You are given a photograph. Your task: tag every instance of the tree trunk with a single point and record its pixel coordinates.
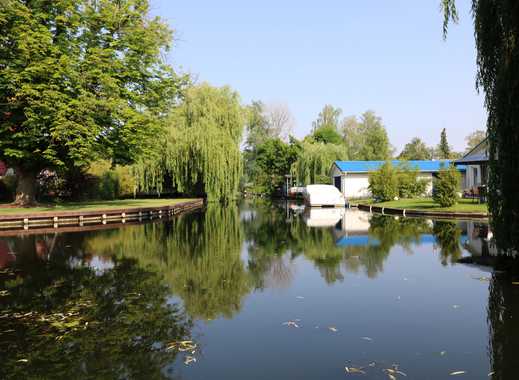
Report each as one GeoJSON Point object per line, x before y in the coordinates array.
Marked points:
{"type": "Point", "coordinates": [25, 188]}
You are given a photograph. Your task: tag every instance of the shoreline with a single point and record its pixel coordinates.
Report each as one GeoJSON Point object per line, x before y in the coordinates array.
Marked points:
{"type": "Point", "coordinates": [44, 219]}
{"type": "Point", "coordinates": [414, 212]}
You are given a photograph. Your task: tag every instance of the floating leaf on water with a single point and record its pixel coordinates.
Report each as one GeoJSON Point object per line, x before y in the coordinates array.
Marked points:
{"type": "Point", "coordinates": [480, 278]}
{"type": "Point", "coordinates": [455, 373]}
{"type": "Point", "coordinates": [354, 370]}
{"type": "Point", "coordinates": [189, 359]}
{"type": "Point", "coordinates": [333, 329]}
{"type": "Point", "coordinates": [367, 338]}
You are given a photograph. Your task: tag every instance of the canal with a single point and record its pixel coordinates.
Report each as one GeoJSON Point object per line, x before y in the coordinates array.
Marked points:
{"type": "Point", "coordinates": [259, 291]}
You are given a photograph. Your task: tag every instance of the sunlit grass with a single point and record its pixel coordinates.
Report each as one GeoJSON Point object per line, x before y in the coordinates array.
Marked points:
{"type": "Point", "coordinates": [92, 205]}
{"type": "Point", "coordinates": [427, 204]}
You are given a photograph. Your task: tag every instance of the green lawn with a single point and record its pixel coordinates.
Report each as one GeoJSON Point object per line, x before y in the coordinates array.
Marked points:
{"type": "Point", "coordinates": [93, 205]}
{"type": "Point", "coordinates": [464, 205]}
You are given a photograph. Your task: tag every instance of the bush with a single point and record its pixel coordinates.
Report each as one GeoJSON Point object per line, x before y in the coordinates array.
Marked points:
{"type": "Point", "coordinates": [446, 187]}
{"type": "Point", "coordinates": [110, 183]}
{"type": "Point", "coordinates": [383, 183]}
{"type": "Point", "coordinates": [409, 185]}
{"type": "Point", "coordinates": [7, 188]}
{"type": "Point", "coordinates": [387, 183]}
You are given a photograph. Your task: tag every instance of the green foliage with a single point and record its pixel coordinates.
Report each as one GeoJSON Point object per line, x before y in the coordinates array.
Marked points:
{"type": "Point", "coordinates": [446, 187]}
{"type": "Point", "coordinates": [110, 183]}
{"type": "Point", "coordinates": [409, 184]}
{"type": "Point", "coordinates": [366, 139]}
{"type": "Point", "coordinates": [388, 182]}
{"type": "Point", "coordinates": [444, 150]}
{"type": "Point", "coordinates": [383, 183]}
{"type": "Point", "coordinates": [65, 318]}
{"type": "Point", "coordinates": [327, 135]}
{"type": "Point", "coordinates": [197, 254]}
{"type": "Point", "coordinates": [7, 188]}
{"type": "Point", "coordinates": [416, 150]}
{"type": "Point", "coordinates": [447, 235]}
{"type": "Point", "coordinates": [496, 32]}
{"type": "Point", "coordinates": [200, 153]}
{"type": "Point", "coordinates": [81, 81]}
{"type": "Point", "coordinates": [328, 118]}
{"type": "Point", "coordinates": [314, 162]}
{"type": "Point", "coordinates": [474, 139]}
{"type": "Point", "coordinates": [274, 160]}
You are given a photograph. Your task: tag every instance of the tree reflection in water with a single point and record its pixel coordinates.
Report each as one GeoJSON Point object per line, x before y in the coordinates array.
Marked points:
{"type": "Point", "coordinates": [503, 304]}
{"type": "Point", "coordinates": [63, 315]}
{"type": "Point", "coordinates": [447, 235]}
{"type": "Point", "coordinates": [198, 254]}
{"type": "Point", "coordinates": [271, 234]}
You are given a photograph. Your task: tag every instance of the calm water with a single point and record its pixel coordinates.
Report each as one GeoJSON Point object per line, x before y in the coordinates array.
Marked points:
{"type": "Point", "coordinates": [258, 291]}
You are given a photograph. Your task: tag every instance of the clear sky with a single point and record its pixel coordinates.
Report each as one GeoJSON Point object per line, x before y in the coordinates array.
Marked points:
{"type": "Point", "coordinates": [387, 56]}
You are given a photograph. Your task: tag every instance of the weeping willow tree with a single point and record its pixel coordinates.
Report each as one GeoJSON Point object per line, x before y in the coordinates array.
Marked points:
{"type": "Point", "coordinates": [315, 160]}
{"type": "Point", "coordinates": [199, 154]}
{"type": "Point", "coordinates": [496, 25]}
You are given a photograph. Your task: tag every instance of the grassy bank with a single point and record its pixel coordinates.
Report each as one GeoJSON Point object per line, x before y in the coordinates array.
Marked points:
{"type": "Point", "coordinates": [427, 204]}
{"type": "Point", "coordinates": [91, 206]}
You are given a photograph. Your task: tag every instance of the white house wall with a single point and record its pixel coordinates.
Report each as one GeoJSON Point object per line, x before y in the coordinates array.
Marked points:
{"type": "Point", "coordinates": [356, 185]}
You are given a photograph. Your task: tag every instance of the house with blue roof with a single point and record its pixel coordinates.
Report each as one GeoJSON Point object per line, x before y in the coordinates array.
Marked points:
{"type": "Point", "coordinates": [351, 177]}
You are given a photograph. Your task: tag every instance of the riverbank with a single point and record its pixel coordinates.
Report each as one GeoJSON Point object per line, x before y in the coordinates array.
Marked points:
{"type": "Point", "coordinates": [102, 212]}
{"type": "Point", "coordinates": [465, 208]}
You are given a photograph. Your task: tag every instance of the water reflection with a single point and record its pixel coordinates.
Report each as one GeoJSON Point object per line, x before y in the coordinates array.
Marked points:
{"type": "Point", "coordinates": [104, 304]}
{"type": "Point", "coordinates": [64, 316]}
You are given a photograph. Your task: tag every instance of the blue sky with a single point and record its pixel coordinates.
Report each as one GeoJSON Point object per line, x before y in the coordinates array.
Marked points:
{"type": "Point", "coordinates": [387, 56]}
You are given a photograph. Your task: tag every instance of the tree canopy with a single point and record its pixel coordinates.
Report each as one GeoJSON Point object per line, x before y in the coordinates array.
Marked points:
{"type": "Point", "coordinates": [80, 81]}
{"type": "Point", "coordinates": [416, 149]}
{"type": "Point", "coordinates": [200, 152]}
{"type": "Point", "coordinates": [496, 32]}
{"type": "Point", "coordinates": [474, 139]}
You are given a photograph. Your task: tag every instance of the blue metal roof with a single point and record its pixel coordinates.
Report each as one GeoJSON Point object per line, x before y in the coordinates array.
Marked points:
{"type": "Point", "coordinates": [368, 166]}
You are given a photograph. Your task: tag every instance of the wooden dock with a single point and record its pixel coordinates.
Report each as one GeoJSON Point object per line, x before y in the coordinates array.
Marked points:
{"type": "Point", "coordinates": [60, 220]}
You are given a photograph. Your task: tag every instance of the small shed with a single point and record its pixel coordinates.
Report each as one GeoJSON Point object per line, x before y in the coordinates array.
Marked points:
{"type": "Point", "coordinates": [351, 177]}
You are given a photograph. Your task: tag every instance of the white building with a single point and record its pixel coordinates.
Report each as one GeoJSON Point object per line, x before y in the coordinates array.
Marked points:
{"type": "Point", "coordinates": [351, 177]}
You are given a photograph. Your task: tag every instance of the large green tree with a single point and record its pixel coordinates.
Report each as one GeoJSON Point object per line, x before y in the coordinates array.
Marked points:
{"type": "Point", "coordinates": [416, 149]}
{"type": "Point", "coordinates": [328, 117]}
{"type": "Point", "coordinates": [366, 139]}
{"type": "Point", "coordinates": [79, 80]}
{"type": "Point", "coordinates": [200, 153]}
{"type": "Point", "coordinates": [376, 142]}
{"type": "Point", "coordinates": [275, 158]}
{"type": "Point", "coordinates": [496, 24]}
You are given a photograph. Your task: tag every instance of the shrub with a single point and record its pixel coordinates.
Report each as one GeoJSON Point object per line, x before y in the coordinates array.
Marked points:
{"type": "Point", "coordinates": [383, 183]}
{"type": "Point", "coordinates": [409, 185]}
{"type": "Point", "coordinates": [108, 182]}
{"type": "Point", "coordinates": [7, 188]}
{"type": "Point", "coordinates": [446, 187]}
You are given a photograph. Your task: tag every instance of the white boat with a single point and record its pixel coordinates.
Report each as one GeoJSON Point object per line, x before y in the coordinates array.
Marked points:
{"type": "Point", "coordinates": [323, 196]}
{"type": "Point", "coordinates": [323, 217]}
